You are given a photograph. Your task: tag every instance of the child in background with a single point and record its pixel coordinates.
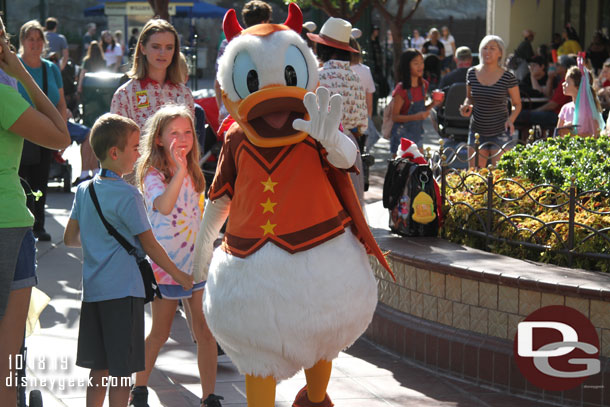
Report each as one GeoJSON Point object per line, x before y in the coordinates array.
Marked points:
{"type": "Point", "coordinates": [111, 329]}
{"type": "Point", "coordinates": [410, 109]}
{"type": "Point", "coordinates": [604, 75]}
{"type": "Point", "coordinates": [568, 123]}
{"type": "Point", "coordinates": [172, 183]}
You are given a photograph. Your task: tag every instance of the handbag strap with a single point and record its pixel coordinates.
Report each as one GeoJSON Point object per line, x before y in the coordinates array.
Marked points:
{"type": "Point", "coordinates": [45, 80]}
{"type": "Point", "coordinates": [111, 230]}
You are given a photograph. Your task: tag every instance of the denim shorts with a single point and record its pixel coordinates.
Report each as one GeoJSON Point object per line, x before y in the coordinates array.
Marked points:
{"type": "Point", "coordinates": [496, 141]}
{"type": "Point", "coordinates": [176, 292]}
{"type": "Point", "coordinates": [25, 271]}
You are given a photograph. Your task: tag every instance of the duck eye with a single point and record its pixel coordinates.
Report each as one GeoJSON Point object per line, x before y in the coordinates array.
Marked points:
{"type": "Point", "coordinates": [295, 68]}
{"type": "Point", "coordinates": [290, 75]}
{"type": "Point", "coordinates": [252, 81]}
{"type": "Point", "coordinates": [245, 75]}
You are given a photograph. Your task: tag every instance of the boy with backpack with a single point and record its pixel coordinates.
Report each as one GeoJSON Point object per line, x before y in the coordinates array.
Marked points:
{"type": "Point", "coordinates": [111, 329]}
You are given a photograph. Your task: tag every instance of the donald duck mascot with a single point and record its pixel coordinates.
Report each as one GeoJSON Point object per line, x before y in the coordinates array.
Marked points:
{"type": "Point", "coordinates": [291, 285]}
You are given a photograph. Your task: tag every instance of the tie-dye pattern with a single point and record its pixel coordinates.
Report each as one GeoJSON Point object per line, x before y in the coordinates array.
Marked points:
{"type": "Point", "coordinates": [177, 231]}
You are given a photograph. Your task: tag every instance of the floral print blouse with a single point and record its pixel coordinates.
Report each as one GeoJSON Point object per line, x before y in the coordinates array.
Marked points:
{"type": "Point", "coordinates": [338, 77]}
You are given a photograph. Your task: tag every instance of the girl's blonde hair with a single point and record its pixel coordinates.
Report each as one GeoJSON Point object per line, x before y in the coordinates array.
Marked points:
{"type": "Point", "coordinates": [184, 67]}
{"type": "Point", "coordinates": [139, 68]}
{"type": "Point", "coordinates": [24, 31]}
{"type": "Point", "coordinates": [154, 155]}
{"type": "Point", "coordinates": [4, 35]}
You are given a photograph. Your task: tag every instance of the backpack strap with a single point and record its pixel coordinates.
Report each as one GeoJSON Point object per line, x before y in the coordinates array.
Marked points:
{"type": "Point", "coordinates": [45, 79]}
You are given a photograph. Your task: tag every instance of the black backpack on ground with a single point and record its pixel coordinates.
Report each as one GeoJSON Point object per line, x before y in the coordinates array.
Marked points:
{"type": "Point", "coordinates": [409, 195]}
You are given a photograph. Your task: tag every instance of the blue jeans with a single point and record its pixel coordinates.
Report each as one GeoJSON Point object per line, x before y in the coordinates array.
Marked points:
{"type": "Point", "coordinates": [400, 130]}
{"type": "Point", "coordinates": [497, 141]}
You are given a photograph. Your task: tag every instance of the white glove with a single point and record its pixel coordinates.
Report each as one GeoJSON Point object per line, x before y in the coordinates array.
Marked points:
{"type": "Point", "coordinates": [214, 217]}
{"type": "Point", "coordinates": [324, 126]}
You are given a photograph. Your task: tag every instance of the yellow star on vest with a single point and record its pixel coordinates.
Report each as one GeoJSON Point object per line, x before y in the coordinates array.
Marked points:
{"type": "Point", "coordinates": [268, 206]}
{"type": "Point", "coordinates": [269, 185]}
{"type": "Point", "coordinates": [268, 227]}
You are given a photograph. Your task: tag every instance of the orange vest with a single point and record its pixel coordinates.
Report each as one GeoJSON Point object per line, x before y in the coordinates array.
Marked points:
{"type": "Point", "coordinates": [280, 195]}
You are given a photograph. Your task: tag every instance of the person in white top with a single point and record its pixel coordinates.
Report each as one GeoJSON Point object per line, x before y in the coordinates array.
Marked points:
{"type": "Point", "coordinates": [368, 84]}
{"type": "Point", "coordinates": [449, 43]}
{"type": "Point", "coordinates": [113, 53]}
{"type": "Point", "coordinates": [118, 37]}
{"type": "Point", "coordinates": [417, 41]}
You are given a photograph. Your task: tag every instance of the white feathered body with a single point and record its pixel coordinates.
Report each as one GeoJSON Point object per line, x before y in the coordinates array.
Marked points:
{"type": "Point", "coordinates": [274, 312]}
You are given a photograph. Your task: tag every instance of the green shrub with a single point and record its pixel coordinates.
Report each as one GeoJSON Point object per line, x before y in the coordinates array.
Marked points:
{"type": "Point", "coordinates": [555, 160]}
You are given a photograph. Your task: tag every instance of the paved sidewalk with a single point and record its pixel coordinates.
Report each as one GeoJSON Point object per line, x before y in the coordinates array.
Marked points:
{"type": "Point", "coordinates": [363, 375]}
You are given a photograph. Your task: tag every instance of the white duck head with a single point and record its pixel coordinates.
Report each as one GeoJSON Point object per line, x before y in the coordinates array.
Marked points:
{"type": "Point", "coordinates": [264, 73]}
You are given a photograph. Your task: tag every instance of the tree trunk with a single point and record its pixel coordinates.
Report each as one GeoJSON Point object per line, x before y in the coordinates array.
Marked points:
{"type": "Point", "coordinates": [396, 21]}
{"type": "Point", "coordinates": [396, 47]}
{"type": "Point", "coordinates": [342, 10]}
{"type": "Point", "coordinates": [160, 8]}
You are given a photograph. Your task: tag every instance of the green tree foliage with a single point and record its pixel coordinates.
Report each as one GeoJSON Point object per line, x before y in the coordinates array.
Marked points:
{"type": "Point", "coordinates": [350, 10]}
{"type": "Point", "coordinates": [396, 13]}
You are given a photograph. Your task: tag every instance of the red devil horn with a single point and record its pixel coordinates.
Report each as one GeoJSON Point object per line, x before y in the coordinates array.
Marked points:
{"type": "Point", "coordinates": [230, 25]}
{"type": "Point", "coordinates": [295, 18]}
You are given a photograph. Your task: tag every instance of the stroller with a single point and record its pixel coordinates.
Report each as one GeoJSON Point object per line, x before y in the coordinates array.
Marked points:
{"type": "Point", "coordinates": [38, 302]}
{"type": "Point", "coordinates": [35, 395]}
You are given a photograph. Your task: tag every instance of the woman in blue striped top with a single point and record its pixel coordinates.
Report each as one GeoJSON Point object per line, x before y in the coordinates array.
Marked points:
{"type": "Point", "coordinates": [488, 87]}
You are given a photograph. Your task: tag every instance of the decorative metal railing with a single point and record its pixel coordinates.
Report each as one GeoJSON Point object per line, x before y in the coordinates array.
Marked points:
{"type": "Point", "coordinates": [527, 223]}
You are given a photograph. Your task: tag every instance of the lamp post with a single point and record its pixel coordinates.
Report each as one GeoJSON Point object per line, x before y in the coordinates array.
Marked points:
{"type": "Point", "coordinates": [42, 7]}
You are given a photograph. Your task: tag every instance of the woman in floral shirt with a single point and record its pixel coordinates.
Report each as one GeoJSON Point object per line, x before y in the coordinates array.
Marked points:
{"type": "Point", "coordinates": [156, 78]}
{"type": "Point", "coordinates": [336, 75]}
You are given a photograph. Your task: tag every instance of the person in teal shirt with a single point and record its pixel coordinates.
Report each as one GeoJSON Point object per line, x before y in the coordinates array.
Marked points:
{"type": "Point", "coordinates": [36, 160]}
{"type": "Point", "coordinates": [42, 125]}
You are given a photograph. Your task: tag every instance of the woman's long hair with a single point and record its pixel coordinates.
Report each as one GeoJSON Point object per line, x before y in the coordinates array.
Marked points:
{"type": "Point", "coordinates": [95, 55]}
{"type": "Point", "coordinates": [404, 66]}
{"type": "Point", "coordinates": [105, 44]}
{"type": "Point", "coordinates": [155, 156]}
{"type": "Point", "coordinates": [139, 68]}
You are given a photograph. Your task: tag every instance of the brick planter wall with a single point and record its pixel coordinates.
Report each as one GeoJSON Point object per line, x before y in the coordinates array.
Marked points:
{"type": "Point", "coordinates": [456, 309]}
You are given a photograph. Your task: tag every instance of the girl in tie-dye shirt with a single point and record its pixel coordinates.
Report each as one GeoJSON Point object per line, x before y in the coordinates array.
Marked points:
{"type": "Point", "coordinates": [169, 176]}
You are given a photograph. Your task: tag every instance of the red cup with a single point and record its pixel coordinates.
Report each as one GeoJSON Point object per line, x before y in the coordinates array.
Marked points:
{"type": "Point", "coordinates": [438, 95]}
{"type": "Point", "coordinates": [554, 55]}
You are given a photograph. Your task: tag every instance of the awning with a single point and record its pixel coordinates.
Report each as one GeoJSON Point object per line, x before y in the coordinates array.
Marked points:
{"type": "Point", "coordinates": [201, 10]}
{"type": "Point", "coordinates": [94, 11]}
